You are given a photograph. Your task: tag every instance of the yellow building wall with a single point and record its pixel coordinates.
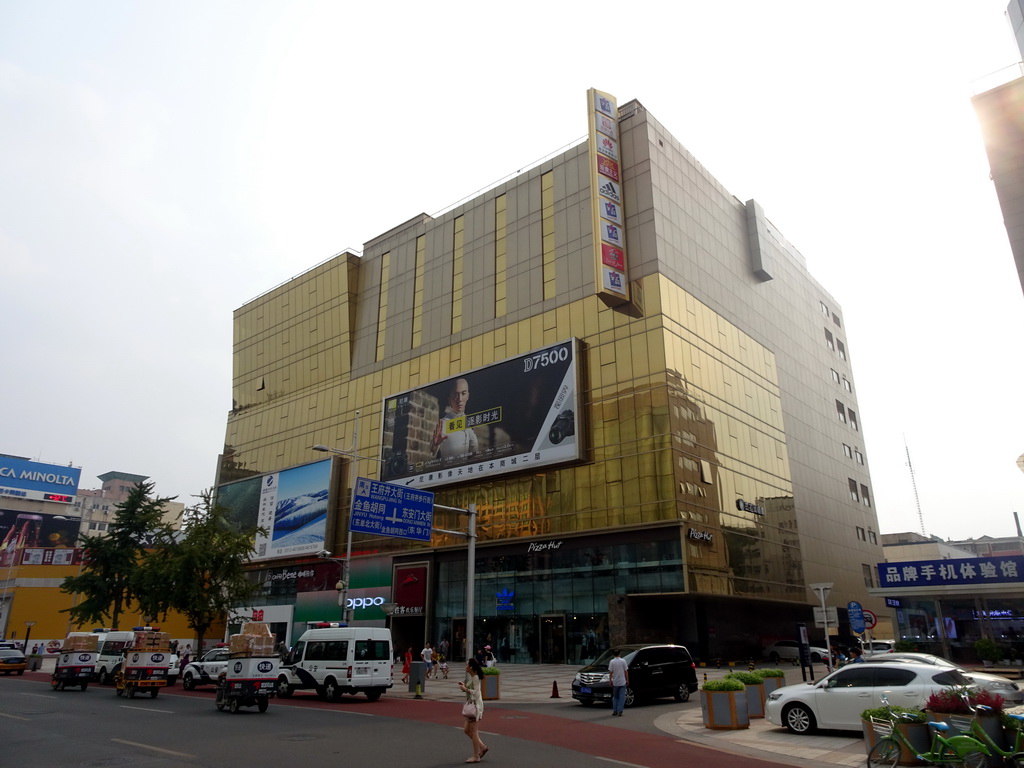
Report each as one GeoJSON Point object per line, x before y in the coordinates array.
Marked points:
{"type": "Point", "coordinates": [39, 599]}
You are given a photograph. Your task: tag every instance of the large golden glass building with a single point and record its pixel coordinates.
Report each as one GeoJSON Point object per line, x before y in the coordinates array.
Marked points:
{"type": "Point", "coordinates": [692, 460]}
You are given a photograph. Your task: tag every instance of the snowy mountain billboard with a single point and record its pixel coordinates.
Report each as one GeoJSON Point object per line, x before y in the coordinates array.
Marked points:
{"type": "Point", "coordinates": [292, 506]}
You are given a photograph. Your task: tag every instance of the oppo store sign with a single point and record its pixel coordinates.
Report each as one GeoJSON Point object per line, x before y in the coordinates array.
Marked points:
{"type": "Point", "coordinates": [364, 602]}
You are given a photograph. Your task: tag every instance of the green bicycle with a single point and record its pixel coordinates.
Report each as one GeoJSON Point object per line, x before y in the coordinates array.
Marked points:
{"type": "Point", "coordinates": [959, 750]}
{"type": "Point", "coordinates": [1013, 756]}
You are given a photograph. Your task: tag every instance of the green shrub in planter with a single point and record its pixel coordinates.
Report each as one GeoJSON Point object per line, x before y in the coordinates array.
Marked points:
{"type": "Point", "coordinates": [770, 673]}
{"type": "Point", "coordinates": [747, 678]}
{"type": "Point", "coordinates": [491, 671]}
{"type": "Point", "coordinates": [755, 691]}
{"type": "Point", "coordinates": [989, 650]}
{"type": "Point", "coordinates": [895, 714]}
{"type": "Point", "coordinates": [725, 684]}
{"type": "Point", "coordinates": [723, 704]}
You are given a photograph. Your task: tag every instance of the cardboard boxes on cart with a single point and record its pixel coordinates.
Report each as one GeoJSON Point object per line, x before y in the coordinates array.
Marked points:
{"type": "Point", "coordinates": [256, 640]}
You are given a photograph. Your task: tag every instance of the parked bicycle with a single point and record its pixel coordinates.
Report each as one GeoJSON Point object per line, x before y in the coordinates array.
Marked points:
{"type": "Point", "coordinates": [1013, 756]}
{"type": "Point", "coordinates": [954, 750]}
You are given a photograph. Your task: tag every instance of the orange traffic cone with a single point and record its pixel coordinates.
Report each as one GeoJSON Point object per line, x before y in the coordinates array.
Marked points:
{"type": "Point", "coordinates": [554, 690]}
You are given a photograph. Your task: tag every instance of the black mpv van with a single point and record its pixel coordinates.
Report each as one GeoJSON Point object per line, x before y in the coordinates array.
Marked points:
{"type": "Point", "coordinates": [654, 671]}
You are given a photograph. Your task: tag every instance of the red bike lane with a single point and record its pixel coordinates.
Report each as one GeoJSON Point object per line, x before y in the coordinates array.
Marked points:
{"type": "Point", "coordinates": [612, 743]}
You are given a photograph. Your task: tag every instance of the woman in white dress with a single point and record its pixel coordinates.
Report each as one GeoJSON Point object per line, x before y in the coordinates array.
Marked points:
{"type": "Point", "coordinates": [473, 688]}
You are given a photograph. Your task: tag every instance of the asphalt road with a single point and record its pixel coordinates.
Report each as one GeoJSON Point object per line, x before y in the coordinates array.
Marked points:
{"type": "Point", "coordinates": [44, 728]}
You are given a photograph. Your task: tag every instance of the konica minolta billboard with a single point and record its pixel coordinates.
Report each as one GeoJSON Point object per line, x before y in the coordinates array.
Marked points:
{"type": "Point", "coordinates": [24, 479]}
{"type": "Point", "coordinates": [513, 416]}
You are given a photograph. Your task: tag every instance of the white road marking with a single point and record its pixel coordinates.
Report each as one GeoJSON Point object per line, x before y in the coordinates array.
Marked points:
{"type": "Point", "coordinates": [619, 762]}
{"type": "Point", "coordinates": [155, 749]}
{"type": "Point", "coordinates": [14, 717]}
{"type": "Point", "coordinates": [149, 709]}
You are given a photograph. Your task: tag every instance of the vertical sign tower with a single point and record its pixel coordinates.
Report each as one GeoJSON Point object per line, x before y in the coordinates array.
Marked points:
{"type": "Point", "coordinates": [609, 216]}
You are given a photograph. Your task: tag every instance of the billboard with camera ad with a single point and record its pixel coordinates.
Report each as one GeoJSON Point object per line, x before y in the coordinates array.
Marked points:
{"type": "Point", "coordinates": [25, 535]}
{"type": "Point", "coordinates": [292, 506]}
{"type": "Point", "coordinates": [519, 414]}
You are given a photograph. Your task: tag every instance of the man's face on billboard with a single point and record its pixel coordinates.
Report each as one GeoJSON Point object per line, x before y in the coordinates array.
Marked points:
{"type": "Point", "coordinates": [458, 396]}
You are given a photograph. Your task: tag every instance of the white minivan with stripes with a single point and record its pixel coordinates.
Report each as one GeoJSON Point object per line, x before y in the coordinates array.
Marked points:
{"type": "Point", "coordinates": [335, 660]}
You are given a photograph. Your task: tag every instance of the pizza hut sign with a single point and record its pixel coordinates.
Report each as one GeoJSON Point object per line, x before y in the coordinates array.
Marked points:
{"type": "Point", "coordinates": [705, 536]}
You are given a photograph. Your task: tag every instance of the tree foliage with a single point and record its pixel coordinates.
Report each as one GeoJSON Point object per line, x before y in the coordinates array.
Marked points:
{"type": "Point", "coordinates": [202, 574]}
{"type": "Point", "coordinates": [113, 574]}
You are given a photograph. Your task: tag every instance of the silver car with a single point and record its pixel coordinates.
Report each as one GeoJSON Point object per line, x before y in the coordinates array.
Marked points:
{"type": "Point", "coordinates": [1009, 690]}
{"type": "Point", "coordinates": [789, 650]}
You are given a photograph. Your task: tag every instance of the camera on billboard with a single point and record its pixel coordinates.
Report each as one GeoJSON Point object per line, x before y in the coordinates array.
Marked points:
{"type": "Point", "coordinates": [397, 463]}
{"type": "Point", "coordinates": [563, 427]}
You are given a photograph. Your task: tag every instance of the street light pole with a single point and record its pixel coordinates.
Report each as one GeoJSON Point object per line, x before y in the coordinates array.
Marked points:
{"type": "Point", "coordinates": [470, 535]}
{"type": "Point", "coordinates": [822, 591]}
{"type": "Point", "coordinates": [353, 455]}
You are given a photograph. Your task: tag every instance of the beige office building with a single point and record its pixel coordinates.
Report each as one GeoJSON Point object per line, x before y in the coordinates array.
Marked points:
{"type": "Point", "coordinates": [694, 458]}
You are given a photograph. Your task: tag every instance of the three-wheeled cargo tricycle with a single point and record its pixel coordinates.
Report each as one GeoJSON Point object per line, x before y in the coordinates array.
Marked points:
{"type": "Point", "coordinates": [247, 682]}
{"type": "Point", "coordinates": [74, 668]}
{"type": "Point", "coordinates": [143, 671]}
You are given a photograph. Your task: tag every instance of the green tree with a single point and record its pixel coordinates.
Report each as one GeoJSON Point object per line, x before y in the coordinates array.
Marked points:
{"type": "Point", "coordinates": [202, 574]}
{"type": "Point", "coordinates": [113, 570]}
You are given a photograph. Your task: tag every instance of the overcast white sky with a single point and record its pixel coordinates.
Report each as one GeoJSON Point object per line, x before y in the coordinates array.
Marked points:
{"type": "Point", "coordinates": [163, 163]}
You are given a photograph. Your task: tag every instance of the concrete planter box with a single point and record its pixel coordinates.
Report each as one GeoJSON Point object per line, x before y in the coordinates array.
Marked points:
{"type": "Point", "coordinates": [990, 724]}
{"type": "Point", "coordinates": [491, 687]}
{"type": "Point", "coordinates": [756, 696]}
{"type": "Point", "coordinates": [916, 733]}
{"type": "Point", "coordinates": [772, 684]}
{"type": "Point", "coordinates": [724, 710]}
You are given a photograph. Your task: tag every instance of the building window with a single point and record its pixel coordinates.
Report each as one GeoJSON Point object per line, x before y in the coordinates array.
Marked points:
{"type": "Point", "coordinates": [847, 451]}
{"type": "Point", "coordinates": [457, 252]}
{"type": "Point", "coordinates": [853, 489]}
{"type": "Point", "coordinates": [829, 341]}
{"type": "Point", "coordinates": [835, 319]}
{"type": "Point", "coordinates": [842, 348]}
{"type": "Point", "coordinates": [860, 534]}
{"type": "Point", "coordinates": [500, 257]}
{"type": "Point", "coordinates": [841, 411]}
{"type": "Point", "coordinates": [872, 536]}
{"type": "Point", "coordinates": [382, 305]}
{"type": "Point", "coordinates": [419, 277]}
{"type": "Point", "coordinates": [847, 385]}
{"type": "Point", "coordinates": [547, 226]}
{"type": "Point", "coordinates": [835, 375]}
{"type": "Point", "coordinates": [859, 456]}
{"type": "Point", "coordinates": [853, 420]}
{"type": "Point", "coordinates": [869, 575]}
{"type": "Point", "coordinates": [824, 309]}
{"type": "Point", "coordinates": [864, 495]}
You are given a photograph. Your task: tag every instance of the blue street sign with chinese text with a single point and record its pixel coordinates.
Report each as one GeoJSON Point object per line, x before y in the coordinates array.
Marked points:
{"type": "Point", "coordinates": [967, 571]}
{"type": "Point", "coordinates": [386, 509]}
{"type": "Point", "coordinates": [856, 614]}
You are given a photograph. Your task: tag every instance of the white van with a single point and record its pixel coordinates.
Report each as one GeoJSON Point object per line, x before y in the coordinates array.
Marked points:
{"type": "Point", "coordinates": [336, 660]}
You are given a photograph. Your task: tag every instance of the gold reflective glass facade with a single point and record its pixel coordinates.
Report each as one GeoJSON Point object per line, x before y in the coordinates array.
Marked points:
{"type": "Point", "coordinates": [707, 402]}
{"type": "Point", "coordinates": [417, 298]}
{"type": "Point", "coordinates": [500, 258]}
{"type": "Point", "coordinates": [547, 224]}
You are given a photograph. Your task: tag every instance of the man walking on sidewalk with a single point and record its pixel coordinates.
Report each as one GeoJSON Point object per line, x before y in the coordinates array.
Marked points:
{"type": "Point", "coordinates": [618, 670]}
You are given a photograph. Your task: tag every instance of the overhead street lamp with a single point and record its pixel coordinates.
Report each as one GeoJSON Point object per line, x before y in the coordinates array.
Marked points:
{"type": "Point", "coordinates": [822, 590]}
{"type": "Point", "coordinates": [353, 457]}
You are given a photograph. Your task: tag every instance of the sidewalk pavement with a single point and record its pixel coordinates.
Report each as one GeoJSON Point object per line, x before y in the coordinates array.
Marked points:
{"type": "Point", "coordinates": [535, 684]}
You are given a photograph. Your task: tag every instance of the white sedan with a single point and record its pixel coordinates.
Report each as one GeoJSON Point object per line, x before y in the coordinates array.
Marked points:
{"type": "Point", "coordinates": [789, 650]}
{"type": "Point", "coordinates": [1008, 689]}
{"type": "Point", "coordinates": [837, 700]}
